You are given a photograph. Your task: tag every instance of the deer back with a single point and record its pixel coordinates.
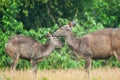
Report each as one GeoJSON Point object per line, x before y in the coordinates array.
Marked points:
{"type": "Point", "coordinates": [23, 45]}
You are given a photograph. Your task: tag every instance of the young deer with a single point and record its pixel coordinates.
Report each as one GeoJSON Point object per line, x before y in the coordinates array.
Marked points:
{"type": "Point", "coordinates": [97, 45]}
{"type": "Point", "coordinates": [28, 48]}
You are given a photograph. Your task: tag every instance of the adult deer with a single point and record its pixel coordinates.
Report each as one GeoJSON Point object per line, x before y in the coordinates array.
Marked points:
{"type": "Point", "coordinates": [28, 48]}
{"type": "Point", "coordinates": [97, 45]}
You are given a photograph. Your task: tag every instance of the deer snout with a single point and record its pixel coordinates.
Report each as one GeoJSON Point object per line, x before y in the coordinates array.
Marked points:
{"type": "Point", "coordinates": [54, 35]}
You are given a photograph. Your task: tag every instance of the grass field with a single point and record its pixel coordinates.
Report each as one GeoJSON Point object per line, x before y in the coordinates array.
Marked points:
{"type": "Point", "coordinates": [70, 74]}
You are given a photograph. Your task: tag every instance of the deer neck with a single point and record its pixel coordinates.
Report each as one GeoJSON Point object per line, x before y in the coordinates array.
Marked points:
{"type": "Point", "coordinates": [48, 49]}
{"type": "Point", "coordinates": [71, 40]}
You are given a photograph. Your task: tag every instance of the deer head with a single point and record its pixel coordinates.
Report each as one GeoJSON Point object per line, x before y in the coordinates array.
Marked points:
{"type": "Point", "coordinates": [55, 41]}
{"type": "Point", "coordinates": [64, 30]}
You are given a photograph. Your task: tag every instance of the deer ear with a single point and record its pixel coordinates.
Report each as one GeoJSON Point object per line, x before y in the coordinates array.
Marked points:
{"type": "Point", "coordinates": [49, 35]}
{"type": "Point", "coordinates": [71, 24]}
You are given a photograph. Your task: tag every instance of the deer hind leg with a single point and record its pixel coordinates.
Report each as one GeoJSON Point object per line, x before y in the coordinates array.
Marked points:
{"type": "Point", "coordinates": [14, 63]}
{"type": "Point", "coordinates": [87, 67]}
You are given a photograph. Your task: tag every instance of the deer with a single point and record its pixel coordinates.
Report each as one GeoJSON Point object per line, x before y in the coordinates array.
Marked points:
{"type": "Point", "coordinates": [25, 47]}
{"type": "Point", "coordinates": [100, 44]}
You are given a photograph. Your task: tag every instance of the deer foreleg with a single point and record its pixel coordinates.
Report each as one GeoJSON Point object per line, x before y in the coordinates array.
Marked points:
{"type": "Point", "coordinates": [117, 55]}
{"type": "Point", "coordinates": [34, 68]}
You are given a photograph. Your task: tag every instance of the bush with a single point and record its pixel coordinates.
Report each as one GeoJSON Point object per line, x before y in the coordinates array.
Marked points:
{"type": "Point", "coordinates": [60, 58]}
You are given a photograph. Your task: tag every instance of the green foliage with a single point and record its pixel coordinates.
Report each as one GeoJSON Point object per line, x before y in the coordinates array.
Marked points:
{"type": "Point", "coordinates": [98, 63]}
{"type": "Point", "coordinates": [36, 18]}
{"type": "Point", "coordinates": [60, 59]}
{"type": "Point", "coordinates": [113, 62]}
{"type": "Point", "coordinates": [10, 27]}
{"type": "Point", "coordinates": [89, 26]}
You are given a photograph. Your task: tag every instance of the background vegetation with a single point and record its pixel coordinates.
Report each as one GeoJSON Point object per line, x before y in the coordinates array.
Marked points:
{"type": "Point", "coordinates": [36, 18]}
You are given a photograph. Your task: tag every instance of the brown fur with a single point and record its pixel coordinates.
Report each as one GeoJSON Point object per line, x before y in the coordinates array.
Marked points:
{"type": "Point", "coordinates": [28, 48]}
{"type": "Point", "coordinates": [97, 45]}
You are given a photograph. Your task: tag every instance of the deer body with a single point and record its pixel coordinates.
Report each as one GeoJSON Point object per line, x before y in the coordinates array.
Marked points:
{"type": "Point", "coordinates": [28, 48]}
{"type": "Point", "coordinates": [97, 45]}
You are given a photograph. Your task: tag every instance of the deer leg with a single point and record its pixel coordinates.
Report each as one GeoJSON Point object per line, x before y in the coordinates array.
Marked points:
{"type": "Point", "coordinates": [88, 66]}
{"type": "Point", "coordinates": [34, 68]}
{"type": "Point", "coordinates": [14, 63]}
{"type": "Point", "coordinates": [117, 55]}
{"type": "Point", "coordinates": [15, 60]}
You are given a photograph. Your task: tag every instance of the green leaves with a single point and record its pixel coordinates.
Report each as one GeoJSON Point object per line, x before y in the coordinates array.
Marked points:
{"type": "Point", "coordinates": [36, 18]}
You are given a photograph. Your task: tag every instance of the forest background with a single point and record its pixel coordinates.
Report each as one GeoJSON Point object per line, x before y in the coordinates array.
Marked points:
{"type": "Point", "coordinates": [36, 18]}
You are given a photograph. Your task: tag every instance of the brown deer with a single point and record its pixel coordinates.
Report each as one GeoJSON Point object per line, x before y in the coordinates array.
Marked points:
{"type": "Point", "coordinates": [28, 48]}
{"type": "Point", "coordinates": [97, 45]}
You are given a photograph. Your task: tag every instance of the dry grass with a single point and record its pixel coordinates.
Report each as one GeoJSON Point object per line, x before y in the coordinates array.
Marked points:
{"type": "Point", "coordinates": [71, 74]}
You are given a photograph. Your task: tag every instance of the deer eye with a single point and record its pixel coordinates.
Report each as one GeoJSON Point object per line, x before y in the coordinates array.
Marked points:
{"type": "Point", "coordinates": [61, 28]}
